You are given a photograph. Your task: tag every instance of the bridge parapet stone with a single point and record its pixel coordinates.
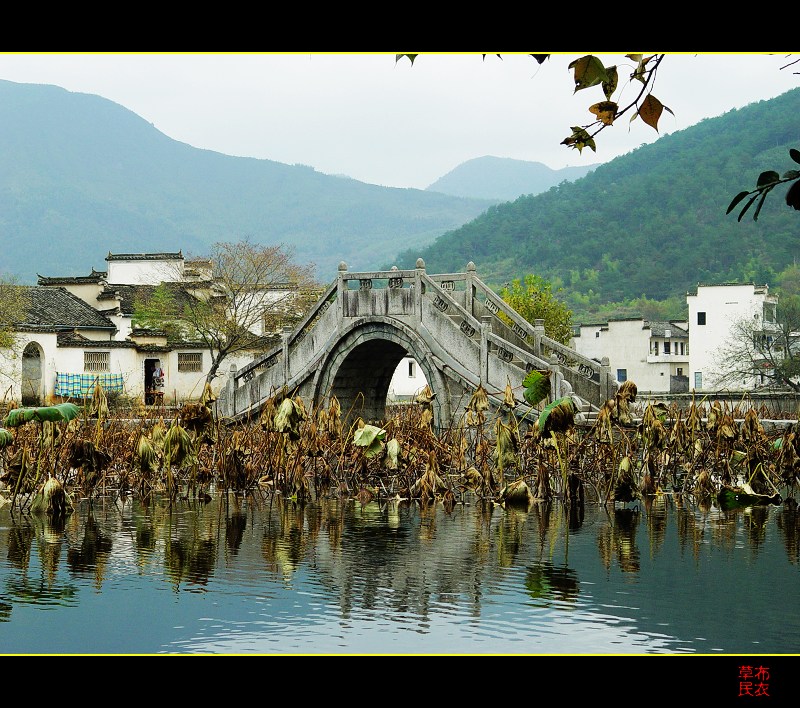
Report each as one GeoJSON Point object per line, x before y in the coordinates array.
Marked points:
{"type": "Point", "coordinates": [452, 320]}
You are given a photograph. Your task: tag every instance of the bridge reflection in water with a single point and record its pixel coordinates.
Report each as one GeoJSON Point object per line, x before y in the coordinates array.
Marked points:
{"type": "Point", "coordinates": [266, 575]}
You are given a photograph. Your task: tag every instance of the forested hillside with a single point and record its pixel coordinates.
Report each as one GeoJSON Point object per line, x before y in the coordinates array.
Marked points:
{"type": "Point", "coordinates": [650, 224]}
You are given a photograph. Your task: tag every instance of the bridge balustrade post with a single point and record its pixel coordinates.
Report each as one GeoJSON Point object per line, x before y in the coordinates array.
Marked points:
{"type": "Point", "coordinates": [486, 327]}
{"type": "Point", "coordinates": [469, 297]}
{"type": "Point", "coordinates": [285, 342]}
{"type": "Point", "coordinates": [557, 380]}
{"type": "Point", "coordinates": [418, 290]}
{"type": "Point", "coordinates": [226, 401]}
{"type": "Point", "coordinates": [538, 333]}
{"type": "Point", "coordinates": [607, 387]}
{"type": "Point", "coordinates": [341, 287]}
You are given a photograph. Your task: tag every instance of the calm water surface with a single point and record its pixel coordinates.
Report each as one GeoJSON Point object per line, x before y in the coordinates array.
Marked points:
{"type": "Point", "coordinates": [266, 576]}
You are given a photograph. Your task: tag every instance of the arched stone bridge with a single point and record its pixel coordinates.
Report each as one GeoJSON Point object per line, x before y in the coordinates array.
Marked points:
{"type": "Point", "coordinates": [352, 340]}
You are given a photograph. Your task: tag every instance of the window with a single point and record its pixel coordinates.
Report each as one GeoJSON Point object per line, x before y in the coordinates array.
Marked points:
{"type": "Point", "coordinates": [655, 348]}
{"type": "Point", "coordinates": [679, 371]}
{"type": "Point", "coordinates": [97, 361]}
{"type": "Point", "coordinates": [683, 348]}
{"type": "Point", "coordinates": [667, 347]}
{"type": "Point", "coordinates": [597, 333]}
{"type": "Point", "coordinates": [190, 361]}
{"type": "Point", "coordinates": [698, 380]}
{"type": "Point", "coordinates": [622, 375]}
{"type": "Point", "coordinates": [701, 318]}
{"type": "Point", "coordinates": [412, 370]}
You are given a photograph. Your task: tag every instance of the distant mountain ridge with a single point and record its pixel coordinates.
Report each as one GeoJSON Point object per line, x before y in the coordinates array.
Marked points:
{"type": "Point", "coordinates": [503, 178]}
{"type": "Point", "coordinates": [82, 176]}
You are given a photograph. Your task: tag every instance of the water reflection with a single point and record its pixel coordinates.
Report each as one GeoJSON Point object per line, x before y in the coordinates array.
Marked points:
{"type": "Point", "coordinates": [789, 529]}
{"type": "Point", "coordinates": [262, 574]}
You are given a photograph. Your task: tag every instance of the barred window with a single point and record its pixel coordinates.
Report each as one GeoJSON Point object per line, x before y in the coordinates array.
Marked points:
{"type": "Point", "coordinates": [190, 361]}
{"type": "Point", "coordinates": [96, 361]}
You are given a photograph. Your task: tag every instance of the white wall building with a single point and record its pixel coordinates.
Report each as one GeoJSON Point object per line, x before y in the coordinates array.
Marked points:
{"type": "Point", "coordinates": [654, 355]}
{"type": "Point", "coordinates": [407, 381]}
{"type": "Point", "coordinates": [670, 357]}
{"type": "Point", "coordinates": [714, 310]}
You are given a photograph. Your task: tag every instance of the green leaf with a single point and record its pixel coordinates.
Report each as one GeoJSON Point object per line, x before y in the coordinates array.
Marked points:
{"type": "Point", "coordinates": [537, 386]}
{"type": "Point", "coordinates": [6, 437]}
{"type": "Point", "coordinates": [610, 85]}
{"type": "Point", "coordinates": [747, 206]}
{"type": "Point", "coordinates": [54, 414]}
{"type": "Point", "coordinates": [760, 204]}
{"type": "Point", "coordinates": [794, 154]}
{"type": "Point", "coordinates": [365, 436]}
{"type": "Point", "coordinates": [557, 416]}
{"type": "Point", "coordinates": [793, 196]}
{"type": "Point", "coordinates": [588, 71]}
{"type": "Point", "coordinates": [736, 200]}
{"type": "Point", "coordinates": [18, 416]}
{"type": "Point", "coordinates": [767, 178]}
{"type": "Point", "coordinates": [411, 57]}
{"type": "Point", "coordinates": [62, 411]}
{"type": "Point", "coordinates": [791, 174]}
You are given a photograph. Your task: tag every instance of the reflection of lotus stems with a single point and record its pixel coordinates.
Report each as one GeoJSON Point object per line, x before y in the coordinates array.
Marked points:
{"type": "Point", "coordinates": [561, 463]}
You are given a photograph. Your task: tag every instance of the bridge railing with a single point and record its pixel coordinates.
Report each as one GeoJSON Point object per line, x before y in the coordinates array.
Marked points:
{"type": "Point", "coordinates": [445, 288]}
{"type": "Point", "coordinates": [462, 295]}
{"type": "Point", "coordinates": [591, 380]}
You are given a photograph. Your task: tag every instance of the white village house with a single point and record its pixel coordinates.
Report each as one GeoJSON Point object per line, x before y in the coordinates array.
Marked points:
{"type": "Point", "coordinates": [715, 311]}
{"type": "Point", "coordinates": [654, 355]}
{"type": "Point", "coordinates": [679, 356]}
{"type": "Point", "coordinates": [78, 332]}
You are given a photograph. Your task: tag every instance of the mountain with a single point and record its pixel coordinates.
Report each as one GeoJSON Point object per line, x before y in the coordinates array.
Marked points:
{"type": "Point", "coordinates": [503, 179]}
{"type": "Point", "coordinates": [82, 176]}
{"type": "Point", "coordinates": [649, 224]}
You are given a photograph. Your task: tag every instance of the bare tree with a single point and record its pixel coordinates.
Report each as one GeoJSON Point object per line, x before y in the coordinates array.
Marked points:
{"type": "Point", "coordinates": [250, 293]}
{"type": "Point", "coordinates": [761, 352]}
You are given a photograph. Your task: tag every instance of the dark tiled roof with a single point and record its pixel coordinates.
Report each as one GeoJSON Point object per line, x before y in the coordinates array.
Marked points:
{"type": "Point", "coordinates": [130, 293]}
{"type": "Point", "coordinates": [73, 339]}
{"type": "Point", "coordinates": [55, 308]}
{"type": "Point", "coordinates": [658, 329]}
{"type": "Point", "coordinates": [144, 332]}
{"type": "Point", "coordinates": [95, 277]}
{"type": "Point", "coordinates": [145, 256]}
{"type": "Point", "coordinates": [127, 293]}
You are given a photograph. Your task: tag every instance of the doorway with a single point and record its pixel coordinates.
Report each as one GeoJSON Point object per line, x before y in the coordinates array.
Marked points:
{"type": "Point", "coordinates": [151, 389]}
{"type": "Point", "coordinates": [31, 375]}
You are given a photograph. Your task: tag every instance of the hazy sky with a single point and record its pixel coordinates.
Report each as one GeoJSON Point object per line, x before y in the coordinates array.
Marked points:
{"type": "Point", "coordinates": [393, 123]}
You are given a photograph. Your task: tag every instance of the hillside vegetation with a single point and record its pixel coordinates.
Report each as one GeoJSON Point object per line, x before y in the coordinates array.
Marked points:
{"type": "Point", "coordinates": [647, 226]}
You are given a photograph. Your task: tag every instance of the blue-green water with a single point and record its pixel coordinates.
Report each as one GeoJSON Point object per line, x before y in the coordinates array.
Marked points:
{"type": "Point", "coordinates": [264, 576]}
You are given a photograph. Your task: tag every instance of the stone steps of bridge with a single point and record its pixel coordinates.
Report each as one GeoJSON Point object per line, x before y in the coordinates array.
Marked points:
{"type": "Point", "coordinates": [515, 360]}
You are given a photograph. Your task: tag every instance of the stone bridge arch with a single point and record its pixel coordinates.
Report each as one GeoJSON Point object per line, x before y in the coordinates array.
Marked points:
{"type": "Point", "coordinates": [456, 328]}
{"type": "Point", "coordinates": [360, 367]}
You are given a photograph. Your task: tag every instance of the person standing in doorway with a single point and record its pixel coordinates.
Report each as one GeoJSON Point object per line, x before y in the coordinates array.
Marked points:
{"type": "Point", "coordinates": [158, 382]}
